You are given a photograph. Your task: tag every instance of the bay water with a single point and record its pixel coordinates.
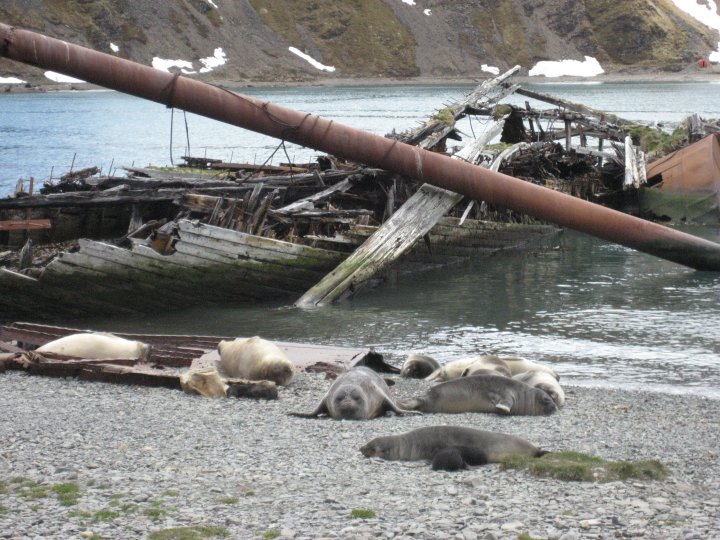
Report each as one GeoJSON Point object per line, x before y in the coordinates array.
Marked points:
{"type": "Point", "coordinates": [601, 314]}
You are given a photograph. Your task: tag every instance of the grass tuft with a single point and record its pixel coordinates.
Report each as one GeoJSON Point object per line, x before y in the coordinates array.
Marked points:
{"type": "Point", "coordinates": [271, 534]}
{"type": "Point", "coordinates": [360, 513]}
{"type": "Point", "coordinates": [198, 532]}
{"type": "Point", "coordinates": [67, 494]}
{"type": "Point", "coordinates": [578, 467]}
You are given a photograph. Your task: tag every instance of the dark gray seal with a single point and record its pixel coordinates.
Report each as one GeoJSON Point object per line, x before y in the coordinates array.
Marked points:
{"type": "Point", "coordinates": [418, 366]}
{"type": "Point", "coordinates": [483, 393]}
{"type": "Point", "coordinates": [449, 447]}
{"type": "Point", "coordinates": [359, 394]}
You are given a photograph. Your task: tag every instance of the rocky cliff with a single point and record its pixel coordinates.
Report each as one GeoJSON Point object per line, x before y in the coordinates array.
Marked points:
{"type": "Point", "coordinates": [368, 38]}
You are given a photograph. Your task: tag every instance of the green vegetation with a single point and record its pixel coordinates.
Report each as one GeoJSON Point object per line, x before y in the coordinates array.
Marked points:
{"type": "Point", "coordinates": [359, 37]}
{"type": "Point", "coordinates": [105, 515]}
{"type": "Point", "coordinates": [189, 533]}
{"type": "Point", "coordinates": [79, 514]}
{"type": "Point", "coordinates": [647, 32]}
{"type": "Point", "coordinates": [271, 534]}
{"type": "Point", "coordinates": [3, 510]}
{"type": "Point", "coordinates": [157, 511]}
{"type": "Point", "coordinates": [67, 494]}
{"type": "Point", "coordinates": [526, 536]}
{"type": "Point", "coordinates": [362, 514]}
{"type": "Point", "coordinates": [577, 467]}
{"type": "Point", "coordinates": [228, 500]}
{"type": "Point", "coordinates": [3, 488]}
{"type": "Point", "coordinates": [502, 33]}
{"type": "Point", "coordinates": [658, 142]}
{"type": "Point", "coordinates": [445, 116]}
{"type": "Point", "coordinates": [32, 490]}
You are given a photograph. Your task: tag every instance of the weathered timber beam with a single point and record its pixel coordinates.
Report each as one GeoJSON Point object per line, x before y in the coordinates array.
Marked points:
{"type": "Point", "coordinates": [336, 139]}
{"type": "Point", "coordinates": [577, 107]}
{"type": "Point", "coordinates": [91, 198]}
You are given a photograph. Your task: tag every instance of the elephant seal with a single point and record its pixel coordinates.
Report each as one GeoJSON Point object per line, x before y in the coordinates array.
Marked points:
{"type": "Point", "coordinates": [449, 447]}
{"type": "Point", "coordinates": [487, 363]}
{"type": "Point", "coordinates": [452, 370]}
{"type": "Point", "coordinates": [418, 366]}
{"type": "Point", "coordinates": [483, 393]}
{"type": "Point", "coordinates": [358, 394]}
{"type": "Point", "coordinates": [204, 381]}
{"type": "Point", "coordinates": [97, 345]}
{"type": "Point", "coordinates": [517, 365]}
{"type": "Point", "coordinates": [255, 359]}
{"type": "Point", "coordinates": [545, 382]}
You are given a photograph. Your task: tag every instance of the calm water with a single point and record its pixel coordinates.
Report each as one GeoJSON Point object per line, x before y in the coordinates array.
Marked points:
{"type": "Point", "coordinates": [604, 315]}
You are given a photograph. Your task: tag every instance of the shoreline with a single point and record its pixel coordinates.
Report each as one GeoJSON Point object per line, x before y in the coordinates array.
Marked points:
{"type": "Point", "coordinates": [693, 75]}
{"type": "Point", "coordinates": [148, 459]}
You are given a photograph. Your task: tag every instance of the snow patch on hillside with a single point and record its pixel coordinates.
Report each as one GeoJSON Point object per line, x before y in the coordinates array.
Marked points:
{"type": "Point", "coordinates": [164, 64]}
{"type": "Point", "coordinates": [60, 78]}
{"type": "Point", "coordinates": [219, 58]}
{"type": "Point", "coordinates": [311, 60]}
{"type": "Point", "coordinates": [590, 67]}
{"type": "Point", "coordinates": [11, 80]}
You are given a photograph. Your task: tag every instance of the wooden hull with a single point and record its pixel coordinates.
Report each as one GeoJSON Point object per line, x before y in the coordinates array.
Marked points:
{"type": "Point", "coordinates": [212, 265]}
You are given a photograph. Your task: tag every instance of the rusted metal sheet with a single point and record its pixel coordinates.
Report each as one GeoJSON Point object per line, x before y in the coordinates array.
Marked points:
{"type": "Point", "coordinates": [695, 168]}
{"type": "Point", "coordinates": [25, 224]}
{"type": "Point", "coordinates": [343, 141]}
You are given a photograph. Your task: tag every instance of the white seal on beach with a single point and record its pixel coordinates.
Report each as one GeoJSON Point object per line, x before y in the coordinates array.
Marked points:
{"type": "Point", "coordinates": [255, 359]}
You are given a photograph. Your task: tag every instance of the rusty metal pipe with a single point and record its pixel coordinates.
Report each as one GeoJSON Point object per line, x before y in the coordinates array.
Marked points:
{"type": "Point", "coordinates": [343, 141]}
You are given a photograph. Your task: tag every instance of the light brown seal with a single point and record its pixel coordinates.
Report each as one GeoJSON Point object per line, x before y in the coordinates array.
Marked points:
{"type": "Point", "coordinates": [449, 447]}
{"type": "Point", "coordinates": [485, 363]}
{"type": "Point", "coordinates": [418, 366]}
{"type": "Point", "coordinates": [255, 359]}
{"type": "Point", "coordinates": [483, 393]}
{"type": "Point", "coordinates": [358, 394]}
{"type": "Point", "coordinates": [545, 382]}
{"type": "Point", "coordinates": [97, 345]}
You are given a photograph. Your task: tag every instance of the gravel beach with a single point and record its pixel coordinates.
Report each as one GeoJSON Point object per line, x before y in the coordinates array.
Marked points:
{"type": "Point", "coordinates": [146, 459]}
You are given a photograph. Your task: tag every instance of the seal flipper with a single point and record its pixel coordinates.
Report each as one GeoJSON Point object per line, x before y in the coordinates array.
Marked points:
{"type": "Point", "coordinates": [455, 458]}
{"type": "Point", "coordinates": [389, 405]}
{"type": "Point", "coordinates": [321, 409]}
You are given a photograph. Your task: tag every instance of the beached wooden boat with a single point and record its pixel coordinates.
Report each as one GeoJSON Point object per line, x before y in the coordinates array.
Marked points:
{"type": "Point", "coordinates": [213, 265]}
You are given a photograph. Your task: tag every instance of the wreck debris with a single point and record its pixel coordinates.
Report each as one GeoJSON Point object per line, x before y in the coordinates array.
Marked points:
{"type": "Point", "coordinates": [172, 356]}
{"type": "Point", "coordinates": [342, 141]}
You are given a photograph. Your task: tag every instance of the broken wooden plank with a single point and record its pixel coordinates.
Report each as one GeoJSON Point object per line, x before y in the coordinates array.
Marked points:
{"type": "Point", "coordinates": [400, 232]}
{"type": "Point", "coordinates": [25, 224]}
{"type": "Point", "coordinates": [414, 219]}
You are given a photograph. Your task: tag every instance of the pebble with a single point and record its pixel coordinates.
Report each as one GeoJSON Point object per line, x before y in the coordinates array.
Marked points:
{"type": "Point", "coordinates": [160, 458]}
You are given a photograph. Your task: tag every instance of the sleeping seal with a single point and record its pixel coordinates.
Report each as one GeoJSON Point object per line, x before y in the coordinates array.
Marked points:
{"type": "Point", "coordinates": [204, 381]}
{"type": "Point", "coordinates": [452, 370]}
{"type": "Point", "coordinates": [449, 447]}
{"type": "Point", "coordinates": [97, 345]}
{"type": "Point", "coordinates": [418, 366]}
{"type": "Point", "coordinates": [485, 363]}
{"type": "Point", "coordinates": [517, 364]}
{"type": "Point", "coordinates": [545, 382]}
{"type": "Point", "coordinates": [483, 393]}
{"type": "Point", "coordinates": [358, 394]}
{"type": "Point", "coordinates": [255, 359]}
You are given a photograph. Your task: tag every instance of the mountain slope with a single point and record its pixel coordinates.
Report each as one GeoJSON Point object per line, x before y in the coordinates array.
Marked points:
{"type": "Point", "coordinates": [368, 38]}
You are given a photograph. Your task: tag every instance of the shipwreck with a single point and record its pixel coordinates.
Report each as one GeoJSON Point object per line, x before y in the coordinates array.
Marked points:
{"type": "Point", "coordinates": [314, 233]}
